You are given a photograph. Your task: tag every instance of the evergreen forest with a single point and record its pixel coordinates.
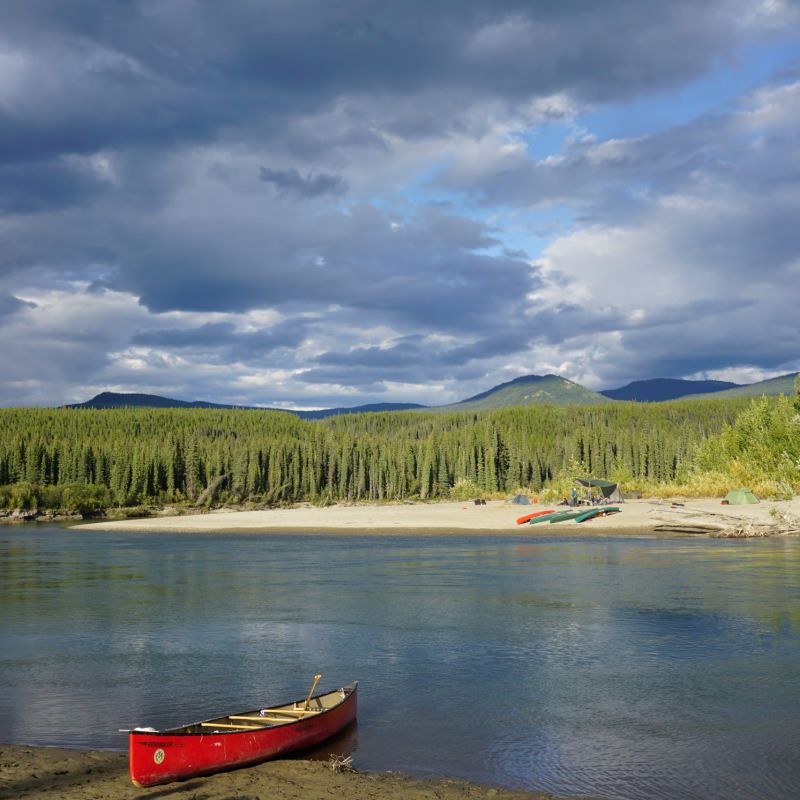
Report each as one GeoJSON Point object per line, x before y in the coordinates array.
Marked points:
{"type": "Point", "coordinates": [87, 461]}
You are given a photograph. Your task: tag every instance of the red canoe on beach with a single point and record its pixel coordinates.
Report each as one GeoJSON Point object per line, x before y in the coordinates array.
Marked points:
{"type": "Point", "coordinates": [528, 517]}
{"type": "Point", "coordinates": [240, 739]}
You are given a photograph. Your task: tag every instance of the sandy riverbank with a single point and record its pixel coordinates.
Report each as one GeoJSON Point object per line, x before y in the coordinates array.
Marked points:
{"type": "Point", "coordinates": [637, 516]}
{"type": "Point", "coordinates": [47, 772]}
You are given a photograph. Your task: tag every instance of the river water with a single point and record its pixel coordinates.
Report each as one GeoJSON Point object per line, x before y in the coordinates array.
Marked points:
{"type": "Point", "coordinates": [627, 667]}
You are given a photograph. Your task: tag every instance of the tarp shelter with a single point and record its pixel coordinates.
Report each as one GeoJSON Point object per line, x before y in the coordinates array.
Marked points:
{"type": "Point", "coordinates": [739, 497]}
{"type": "Point", "coordinates": [519, 500]}
{"type": "Point", "coordinates": [599, 487]}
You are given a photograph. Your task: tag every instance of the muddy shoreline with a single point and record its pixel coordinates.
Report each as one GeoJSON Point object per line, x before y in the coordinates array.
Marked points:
{"type": "Point", "coordinates": [64, 774]}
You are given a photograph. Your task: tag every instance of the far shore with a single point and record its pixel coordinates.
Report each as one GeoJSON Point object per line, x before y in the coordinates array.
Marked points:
{"type": "Point", "coordinates": [36, 773]}
{"type": "Point", "coordinates": [495, 517]}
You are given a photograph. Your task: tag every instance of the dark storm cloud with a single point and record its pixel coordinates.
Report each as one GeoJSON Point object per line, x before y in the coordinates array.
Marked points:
{"type": "Point", "coordinates": [407, 352]}
{"type": "Point", "coordinates": [564, 321]}
{"type": "Point", "coordinates": [292, 182]}
{"type": "Point", "coordinates": [212, 334]}
{"type": "Point", "coordinates": [34, 187]}
{"type": "Point", "coordinates": [705, 345]}
{"type": "Point", "coordinates": [165, 73]}
{"type": "Point", "coordinates": [230, 157]}
{"type": "Point", "coordinates": [430, 271]}
{"type": "Point", "coordinates": [417, 358]}
{"type": "Point", "coordinates": [224, 341]}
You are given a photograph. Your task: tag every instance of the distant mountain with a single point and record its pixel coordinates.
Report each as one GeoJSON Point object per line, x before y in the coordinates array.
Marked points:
{"type": "Point", "coordinates": [529, 390]}
{"type": "Point", "coordinates": [367, 409]}
{"type": "Point", "coordinates": [123, 400]}
{"type": "Point", "coordinates": [783, 384]}
{"type": "Point", "coordinates": [660, 389]}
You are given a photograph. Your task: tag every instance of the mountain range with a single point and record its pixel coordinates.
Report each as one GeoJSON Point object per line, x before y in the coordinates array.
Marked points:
{"type": "Point", "coordinates": [659, 389]}
{"type": "Point", "coordinates": [523, 391]}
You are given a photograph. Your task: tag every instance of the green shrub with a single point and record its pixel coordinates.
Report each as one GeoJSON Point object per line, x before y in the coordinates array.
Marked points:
{"type": "Point", "coordinates": [23, 497]}
{"type": "Point", "coordinates": [465, 489]}
{"type": "Point", "coordinates": [760, 450]}
{"type": "Point", "coordinates": [84, 499]}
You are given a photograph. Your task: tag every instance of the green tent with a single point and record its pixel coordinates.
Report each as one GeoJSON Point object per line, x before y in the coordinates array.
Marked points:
{"type": "Point", "coordinates": [599, 487]}
{"type": "Point", "coordinates": [739, 497]}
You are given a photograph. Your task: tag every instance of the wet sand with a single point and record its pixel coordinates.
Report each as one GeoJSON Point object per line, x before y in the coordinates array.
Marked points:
{"type": "Point", "coordinates": [636, 517]}
{"type": "Point", "coordinates": [59, 774]}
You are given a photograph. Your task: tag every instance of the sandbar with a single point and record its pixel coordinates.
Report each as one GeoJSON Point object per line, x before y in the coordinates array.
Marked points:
{"type": "Point", "coordinates": [495, 517]}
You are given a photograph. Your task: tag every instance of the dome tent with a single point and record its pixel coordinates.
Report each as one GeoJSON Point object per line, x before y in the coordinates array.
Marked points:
{"type": "Point", "coordinates": [519, 500]}
{"type": "Point", "coordinates": [739, 497]}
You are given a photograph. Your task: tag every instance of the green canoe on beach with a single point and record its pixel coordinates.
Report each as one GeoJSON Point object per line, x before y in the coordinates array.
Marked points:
{"type": "Point", "coordinates": [601, 511]}
{"type": "Point", "coordinates": [578, 516]}
{"type": "Point", "coordinates": [544, 517]}
{"type": "Point", "coordinates": [561, 516]}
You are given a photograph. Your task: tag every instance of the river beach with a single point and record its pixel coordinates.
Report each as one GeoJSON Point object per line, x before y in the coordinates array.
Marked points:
{"type": "Point", "coordinates": [636, 517]}
{"type": "Point", "coordinates": [50, 772]}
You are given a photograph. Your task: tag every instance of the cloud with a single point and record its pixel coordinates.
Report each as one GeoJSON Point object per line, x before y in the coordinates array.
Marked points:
{"type": "Point", "coordinates": [107, 77]}
{"type": "Point", "coordinates": [44, 186]}
{"type": "Point", "coordinates": [292, 182]}
{"type": "Point", "coordinates": [752, 143]}
{"type": "Point", "coordinates": [341, 200]}
{"type": "Point", "coordinates": [222, 342]}
{"type": "Point", "coordinates": [10, 305]}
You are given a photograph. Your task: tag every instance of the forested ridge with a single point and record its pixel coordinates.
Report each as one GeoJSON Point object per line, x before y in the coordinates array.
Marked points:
{"type": "Point", "coordinates": [86, 460]}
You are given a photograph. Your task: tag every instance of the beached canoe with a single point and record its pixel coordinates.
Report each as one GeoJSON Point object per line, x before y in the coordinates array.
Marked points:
{"type": "Point", "coordinates": [544, 517]}
{"type": "Point", "coordinates": [239, 739]}
{"type": "Point", "coordinates": [594, 513]}
{"type": "Point", "coordinates": [529, 517]}
{"type": "Point", "coordinates": [562, 516]}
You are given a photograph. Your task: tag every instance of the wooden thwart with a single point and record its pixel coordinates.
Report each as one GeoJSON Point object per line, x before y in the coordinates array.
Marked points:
{"type": "Point", "coordinates": [275, 713]}
{"type": "Point", "coordinates": [270, 716]}
{"type": "Point", "coordinates": [226, 725]}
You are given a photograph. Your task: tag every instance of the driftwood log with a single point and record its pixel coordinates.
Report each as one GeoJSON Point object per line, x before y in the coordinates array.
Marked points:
{"type": "Point", "coordinates": [211, 490]}
{"type": "Point", "coordinates": [719, 525]}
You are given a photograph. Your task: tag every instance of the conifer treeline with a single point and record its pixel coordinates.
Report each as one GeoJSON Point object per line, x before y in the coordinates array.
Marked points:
{"type": "Point", "coordinates": [172, 455]}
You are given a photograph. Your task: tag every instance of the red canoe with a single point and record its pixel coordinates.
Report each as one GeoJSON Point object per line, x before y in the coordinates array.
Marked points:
{"type": "Point", "coordinates": [528, 517]}
{"type": "Point", "coordinates": [237, 740]}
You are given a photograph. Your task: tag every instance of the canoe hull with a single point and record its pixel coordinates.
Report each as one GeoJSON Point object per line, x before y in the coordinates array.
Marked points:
{"type": "Point", "coordinates": [161, 757]}
{"type": "Point", "coordinates": [543, 518]}
{"type": "Point", "coordinates": [563, 516]}
{"type": "Point", "coordinates": [528, 517]}
{"type": "Point", "coordinates": [594, 513]}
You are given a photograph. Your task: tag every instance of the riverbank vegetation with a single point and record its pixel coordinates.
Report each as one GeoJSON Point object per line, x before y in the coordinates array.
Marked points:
{"type": "Point", "coordinates": [89, 461]}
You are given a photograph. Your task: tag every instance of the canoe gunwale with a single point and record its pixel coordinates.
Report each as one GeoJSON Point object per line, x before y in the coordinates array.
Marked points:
{"type": "Point", "coordinates": [183, 730]}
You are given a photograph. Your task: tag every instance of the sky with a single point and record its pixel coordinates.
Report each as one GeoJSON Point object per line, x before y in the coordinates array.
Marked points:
{"type": "Point", "coordinates": [306, 204]}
